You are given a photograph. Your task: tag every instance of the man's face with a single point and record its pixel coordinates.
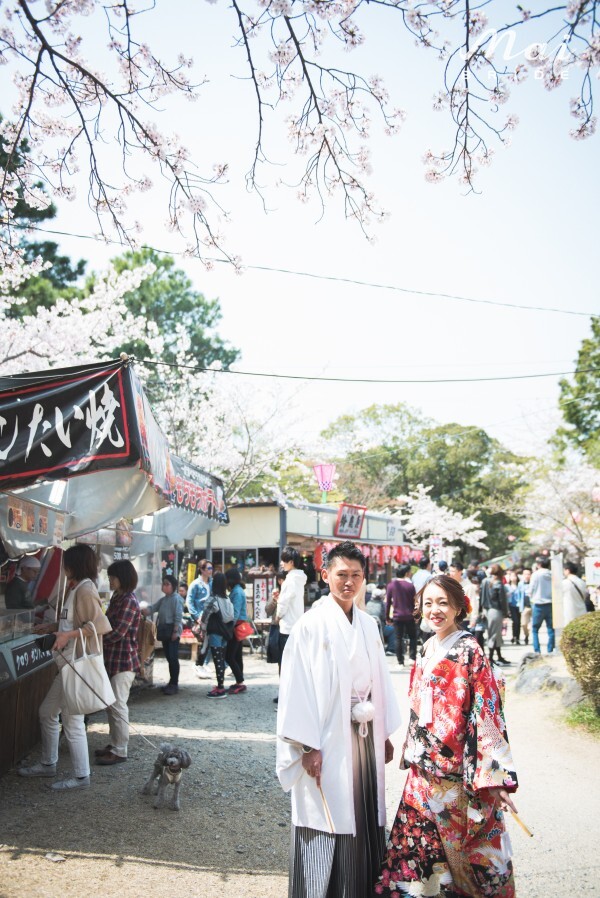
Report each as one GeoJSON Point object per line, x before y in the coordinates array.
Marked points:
{"type": "Point", "coordinates": [345, 578]}
{"type": "Point", "coordinates": [455, 573]}
{"type": "Point", "coordinates": [28, 574]}
{"type": "Point", "coordinates": [526, 576]}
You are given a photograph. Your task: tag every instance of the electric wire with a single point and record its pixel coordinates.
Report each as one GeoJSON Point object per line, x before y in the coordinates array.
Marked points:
{"type": "Point", "coordinates": [364, 380]}
{"type": "Point", "coordinates": [328, 278]}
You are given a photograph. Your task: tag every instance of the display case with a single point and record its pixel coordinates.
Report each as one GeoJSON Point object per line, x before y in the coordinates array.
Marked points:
{"type": "Point", "coordinates": [20, 650]}
{"type": "Point", "coordinates": [26, 672]}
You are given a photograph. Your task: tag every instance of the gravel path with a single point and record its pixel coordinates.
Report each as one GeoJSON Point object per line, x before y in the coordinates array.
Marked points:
{"type": "Point", "coordinates": [231, 836]}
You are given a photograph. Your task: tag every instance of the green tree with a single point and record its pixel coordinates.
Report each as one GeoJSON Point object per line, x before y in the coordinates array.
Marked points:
{"type": "Point", "coordinates": [391, 449]}
{"type": "Point", "coordinates": [61, 277]}
{"type": "Point", "coordinates": [374, 449]}
{"type": "Point", "coordinates": [579, 399]}
{"type": "Point", "coordinates": [179, 312]}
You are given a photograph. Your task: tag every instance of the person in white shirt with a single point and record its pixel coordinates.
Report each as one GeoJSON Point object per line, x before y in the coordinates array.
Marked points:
{"type": "Point", "coordinates": [574, 593]}
{"type": "Point", "coordinates": [420, 577]}
{"type": "Point", "coordinates": [336, 713]}
{"type": "Point", "coordinates": [290, 600]}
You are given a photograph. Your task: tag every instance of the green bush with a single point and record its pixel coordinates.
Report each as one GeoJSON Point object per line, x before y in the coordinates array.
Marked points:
{"type": "Point", "coordinates": [580, 645]}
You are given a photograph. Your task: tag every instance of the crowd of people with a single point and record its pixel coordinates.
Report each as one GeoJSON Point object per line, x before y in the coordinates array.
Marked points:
{"type": "Point", "coordinates": [519, 598]}
{"type": "Point", "coordinates": [336, 706]}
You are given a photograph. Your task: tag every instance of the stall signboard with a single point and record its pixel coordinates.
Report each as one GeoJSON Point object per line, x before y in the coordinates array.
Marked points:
{"type": "Point", "coordinates": [55, 425]}
{"type": "Point", "coordinates": [198, 492]}
{"type": "Point", "coordinates": [58, 423]}
{"type": "Point", "coordinates": [592, 570]}
{"type": "Point", "coordinates": [262, 588]}
{"type": "Point", "coordinates": [349, 521]}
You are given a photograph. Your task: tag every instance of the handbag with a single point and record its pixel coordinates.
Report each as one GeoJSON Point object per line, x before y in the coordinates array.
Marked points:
{"type": "Point", "coordinates": [242, 630]}
{"type": "Point", "coordinates": [273, 656]}
{"type": "Point", "coordinates": [85, 683]}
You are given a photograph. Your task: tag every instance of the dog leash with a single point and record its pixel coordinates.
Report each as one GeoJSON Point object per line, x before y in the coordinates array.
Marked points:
{"type": "Point", "coordinates": [99, 697]}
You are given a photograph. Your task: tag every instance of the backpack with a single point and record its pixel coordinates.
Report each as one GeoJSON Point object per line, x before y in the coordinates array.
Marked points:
{"type": "Point", "coordinates": [225, 606]}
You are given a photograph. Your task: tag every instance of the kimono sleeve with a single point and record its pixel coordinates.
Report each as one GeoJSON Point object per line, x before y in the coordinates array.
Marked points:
{"type": "Point", "coordinates": [488, 759]}
{"type": "Point", "coordinates": [298, 719]}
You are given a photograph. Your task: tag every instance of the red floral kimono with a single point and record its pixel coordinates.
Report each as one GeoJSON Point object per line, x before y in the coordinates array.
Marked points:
{"type": "Point", "coordinates": [449, 834]}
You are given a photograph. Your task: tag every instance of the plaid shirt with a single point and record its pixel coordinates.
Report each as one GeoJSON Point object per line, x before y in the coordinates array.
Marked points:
{"type": "Point", "coordinates": [121, 644]}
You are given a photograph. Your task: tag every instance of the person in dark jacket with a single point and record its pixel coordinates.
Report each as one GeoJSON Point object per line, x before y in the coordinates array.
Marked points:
{"type": "Point", "coordinates": [494, 603]}
{"type": "Point", "coordinates": [401, 602]}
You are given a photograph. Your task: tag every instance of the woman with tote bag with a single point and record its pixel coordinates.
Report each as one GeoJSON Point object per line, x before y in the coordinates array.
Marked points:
{"type": "Point", "coordinates": [81, 609]}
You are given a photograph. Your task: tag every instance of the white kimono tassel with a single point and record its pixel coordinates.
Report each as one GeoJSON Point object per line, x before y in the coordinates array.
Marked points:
{"type": "Point", "coordinates": [362, 713]}
{"type": "Point", "coordinates": [426, 709]}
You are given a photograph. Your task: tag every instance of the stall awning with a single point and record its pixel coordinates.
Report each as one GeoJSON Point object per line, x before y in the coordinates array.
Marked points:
{"type": "Point", "coordinates": [80, 449]}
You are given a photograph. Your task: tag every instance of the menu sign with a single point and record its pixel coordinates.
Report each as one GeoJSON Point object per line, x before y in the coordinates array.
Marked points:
{"type": "Point", "coordinates": [28, 657]}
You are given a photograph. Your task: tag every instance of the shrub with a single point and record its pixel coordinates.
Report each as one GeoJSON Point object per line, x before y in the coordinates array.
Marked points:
{"type": "Point", "coordinates": [580, 644]}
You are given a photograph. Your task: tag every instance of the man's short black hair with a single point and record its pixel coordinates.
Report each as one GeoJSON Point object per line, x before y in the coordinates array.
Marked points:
{"type": "Point", "coordinates": [544, 562]}
{"type": "Point", "coordinates": [571, 567]}
{"type": "Point", "coordinates": [424, 562]}
{"type": "Point", "coordinates": [459, 566]}
{"type": "Point", "coordinates": [403, 570]}
{"type": "Point", "coordinates": [288, 553]}
{"type": "Point", "coordinates": [345, 550]}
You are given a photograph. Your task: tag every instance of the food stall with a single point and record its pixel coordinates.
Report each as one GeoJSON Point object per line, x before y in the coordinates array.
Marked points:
{"type": "Point", "coordinates": [80, 451]}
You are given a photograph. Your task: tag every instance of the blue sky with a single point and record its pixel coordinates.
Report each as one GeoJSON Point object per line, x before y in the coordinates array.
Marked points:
{"type": "Point", "coordinates": [529, 237]}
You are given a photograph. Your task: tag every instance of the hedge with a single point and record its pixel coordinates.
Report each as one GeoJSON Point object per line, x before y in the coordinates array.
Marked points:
{"type": "Point", "coordinates": [580, 644]}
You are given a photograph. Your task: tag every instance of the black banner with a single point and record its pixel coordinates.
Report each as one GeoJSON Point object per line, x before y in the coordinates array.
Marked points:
{"type": "Point", "coordinates": [58, 424]}
{"type": "Point", "coordinates": [197, 491]}
{"type": "Point", "coordinates": [55, 424]}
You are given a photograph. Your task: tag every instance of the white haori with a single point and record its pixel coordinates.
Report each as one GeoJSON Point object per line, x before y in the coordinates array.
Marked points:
{"type": "Point", "coordinates": [318, 680]}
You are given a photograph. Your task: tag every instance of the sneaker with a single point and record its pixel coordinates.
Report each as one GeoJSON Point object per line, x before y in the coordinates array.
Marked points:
{"type": "Point", "coordinates": [103, 751]}
{"type": "Point", "coordinates": [171, 689]}
{"type": "Point", "coordinates": [79, 782]}
{"type": "Point", "coordinates": [217, 692]}
{"type": "Point", "coordinates": [203, 672]}
{"type": "Point", "coordinates": [37, 770]}
{"type": "Point", "coordinates": [237, 688]}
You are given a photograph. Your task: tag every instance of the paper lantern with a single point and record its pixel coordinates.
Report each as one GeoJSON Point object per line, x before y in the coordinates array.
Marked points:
{"type": "Point", "coordinates": [324, 475]}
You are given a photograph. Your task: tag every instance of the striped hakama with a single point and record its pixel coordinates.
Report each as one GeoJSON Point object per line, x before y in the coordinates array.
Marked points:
{"type": "Point", "coordinates": [326, 865]}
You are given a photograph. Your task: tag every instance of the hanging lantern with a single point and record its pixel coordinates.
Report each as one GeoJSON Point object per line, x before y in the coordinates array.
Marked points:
{"type": "Point", "coordinates": [324, 475]}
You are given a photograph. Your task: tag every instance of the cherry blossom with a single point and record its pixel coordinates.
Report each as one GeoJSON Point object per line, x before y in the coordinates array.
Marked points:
{"type": "Point", "coordinates": [561, 508]}
{"type": "Point", "coordinates": [65, 102]}
{"type": "Point", "coordinates": [75, 330]}
{"type": "Point", "coordinates": [422, 518]}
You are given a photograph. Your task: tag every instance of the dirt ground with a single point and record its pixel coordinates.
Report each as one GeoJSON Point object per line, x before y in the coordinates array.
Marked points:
{"type": "Point", "coordinates": [231, 836]}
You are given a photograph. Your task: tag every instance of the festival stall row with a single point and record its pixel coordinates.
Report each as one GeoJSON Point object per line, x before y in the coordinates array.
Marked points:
{"type": "Point", "coordinates": [259, 530]}
{"type": "Point", "coordinates": [81, 457]}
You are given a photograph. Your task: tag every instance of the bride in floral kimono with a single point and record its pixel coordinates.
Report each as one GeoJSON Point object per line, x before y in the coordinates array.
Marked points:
{"type": "Point", "coordinates": [449, 835]}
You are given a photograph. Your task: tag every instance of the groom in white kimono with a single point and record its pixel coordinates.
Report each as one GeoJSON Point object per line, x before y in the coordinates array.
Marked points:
{"type": "Point", "coordinates": [336, 713]}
